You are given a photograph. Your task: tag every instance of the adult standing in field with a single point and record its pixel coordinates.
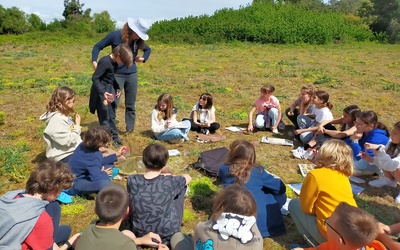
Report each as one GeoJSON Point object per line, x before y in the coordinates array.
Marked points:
{"type": "Point", "coordinates": [133, 33]}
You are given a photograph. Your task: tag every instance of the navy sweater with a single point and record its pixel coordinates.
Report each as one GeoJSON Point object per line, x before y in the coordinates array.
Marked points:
{"type": "Point", "coordinates": [114, 39]}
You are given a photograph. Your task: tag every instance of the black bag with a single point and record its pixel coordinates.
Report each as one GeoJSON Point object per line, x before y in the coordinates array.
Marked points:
{"type": "Point", "coordinates": [211, 160]}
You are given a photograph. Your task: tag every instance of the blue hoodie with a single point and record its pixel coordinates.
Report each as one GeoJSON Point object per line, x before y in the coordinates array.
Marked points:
{"type": "Point", "coordinates": [375, 136]}
{"type": "Point", "coordinates": [17, 218]}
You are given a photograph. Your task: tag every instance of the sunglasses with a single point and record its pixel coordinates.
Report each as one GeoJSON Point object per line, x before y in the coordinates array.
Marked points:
{"type": "Point", "coordinates": [327, 224]}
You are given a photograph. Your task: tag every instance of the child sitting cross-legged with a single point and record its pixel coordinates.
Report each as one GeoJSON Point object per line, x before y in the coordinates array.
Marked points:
{"type": "Point", "coordinates": [157, 198]}
{"type": "Point", "coordinates": [112, 205]}
{"type": "Point", "coordinates": [349, 228]}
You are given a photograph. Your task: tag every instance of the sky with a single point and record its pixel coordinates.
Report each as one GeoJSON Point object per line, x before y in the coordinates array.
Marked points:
{"type": "Point", "coordinates": [150, 10]}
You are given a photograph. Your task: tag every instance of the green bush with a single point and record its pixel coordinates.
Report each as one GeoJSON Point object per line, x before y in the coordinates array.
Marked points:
{"type": "Point", "coordinates": [264, 23]}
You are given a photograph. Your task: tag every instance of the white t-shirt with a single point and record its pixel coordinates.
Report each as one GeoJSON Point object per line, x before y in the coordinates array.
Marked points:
{"type": "Point", "coordinates": [204, 114]}
{"type": "Point", "coordinates": [323, 114]}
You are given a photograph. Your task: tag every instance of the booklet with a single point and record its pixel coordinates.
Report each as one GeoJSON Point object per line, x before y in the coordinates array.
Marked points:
{"type": "Point", "coordinates": [174, 152]}
{"type": "Point", "coordinates": [296, 187]}
{"type": "Point", "coordinates": [305, 168]}
{"type": "Point", "coordinates": [179, 125]}
{"type": "Point", "coordinates": [276, 141]}
{"type": "Point", "coordinates": [235, 129]}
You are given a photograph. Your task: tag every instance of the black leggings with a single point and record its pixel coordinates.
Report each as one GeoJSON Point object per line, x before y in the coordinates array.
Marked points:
{"type": "Point", "coordinates": [194, 127]}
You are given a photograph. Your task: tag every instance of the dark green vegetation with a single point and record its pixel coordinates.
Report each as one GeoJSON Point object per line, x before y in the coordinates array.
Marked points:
{"type": "Point", "coordinates": [264, 21]}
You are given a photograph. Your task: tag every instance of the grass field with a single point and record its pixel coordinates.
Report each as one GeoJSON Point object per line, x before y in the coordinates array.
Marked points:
{"type": "Point", "coordinates": [364, 74]}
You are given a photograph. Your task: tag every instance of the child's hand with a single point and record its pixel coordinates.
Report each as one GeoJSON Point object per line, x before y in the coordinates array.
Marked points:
{"type": "Point", "coordinates": [109, 96]}
{"type": "Point", "coordinates": [370, 146]}
{"type": "Point", "coordinates": [250, 128]}
{"type": "Point", "coordinates": [77, 119]}
{"type": "Point", "coordinates": [290, 113]}
{"type": "Point", "coordinates": [163, 247]}
{"type": "Point", "coordinates": [383, 229]}
{"type": "Point", "coordinates": [151, 239]}
{"type": "Point", "coordinates": [366, 157]}
{"type": "Point", "coordinates": [297, 131]}
{"type": "Point", "coordinates": [107, 170]}
{"type": "Point", "coordinates": [356, 136]}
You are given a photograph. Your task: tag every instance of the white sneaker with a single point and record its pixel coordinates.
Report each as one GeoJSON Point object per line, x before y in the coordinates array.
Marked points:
{"type": "Point", "coordinates": [397, 200]}
{"type": "Point", "coordinates": [275, 131]}
{"type": "Point", "coordinates": [383, 181]}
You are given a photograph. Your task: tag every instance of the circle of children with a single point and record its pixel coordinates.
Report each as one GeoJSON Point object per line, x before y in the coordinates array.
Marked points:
{"type": "Point", "coordinates": [245, 211]}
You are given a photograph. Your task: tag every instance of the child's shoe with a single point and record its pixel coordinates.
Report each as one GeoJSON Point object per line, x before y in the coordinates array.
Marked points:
{"type": "Point", "coordinates": [64, 198]}
{"type": "Point", "coordinates": [275, 131]}
{"type": "Point", "coordinates": [397, 200]}
{"type": "Point", "coordinates": [384, 181]}
{"type": "Point", "coordinates": [115, 172]}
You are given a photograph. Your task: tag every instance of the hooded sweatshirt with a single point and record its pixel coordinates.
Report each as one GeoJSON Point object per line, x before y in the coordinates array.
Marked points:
{"type": "Point", "coordinates": [17, 218]}
{"type": "Point", "coordinates": [375, 136]}
{"type": "Point", "coordinates": [61, 135]}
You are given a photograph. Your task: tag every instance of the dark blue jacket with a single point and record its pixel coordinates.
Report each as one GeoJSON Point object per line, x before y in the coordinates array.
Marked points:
{"type": "Point", "coordinates": [270, 195]}
{"type": "Point", "coordinates": [114, 39]}
{"type": "Point", "coordinates": [375, 136]}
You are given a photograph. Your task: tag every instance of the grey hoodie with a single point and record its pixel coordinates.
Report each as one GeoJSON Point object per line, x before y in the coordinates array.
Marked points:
{"type": "Point", "coordinates": [61, 135]}
{"type": "Point", "coordinates": [17, 218]}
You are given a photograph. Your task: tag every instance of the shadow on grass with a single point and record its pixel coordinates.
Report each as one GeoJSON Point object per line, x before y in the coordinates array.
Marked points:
{"type": "Point", "coordinates": [202, 197]}
{"type": "Point", "coordinates": [39, 158]}
{"type": "Point", "coordinates": [147, 133]}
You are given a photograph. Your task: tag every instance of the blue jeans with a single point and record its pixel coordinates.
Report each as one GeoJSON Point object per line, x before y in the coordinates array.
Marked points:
{"type": "Point", "coordinates": [304, 122]}
{"type": "Point", "coordinates": [61, 232]}
{"type": "Point", "coordinates": [363, 167]}
{"type": "Point", "coordinates": [128, 83]}
{"type": "Point", "coordinates": [175, 133]}
{"type": "Point", "coordinates": [263, 119]}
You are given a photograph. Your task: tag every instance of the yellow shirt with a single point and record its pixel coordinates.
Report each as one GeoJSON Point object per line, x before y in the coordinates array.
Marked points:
{"type": "Point", "coordinates": [322, 190]}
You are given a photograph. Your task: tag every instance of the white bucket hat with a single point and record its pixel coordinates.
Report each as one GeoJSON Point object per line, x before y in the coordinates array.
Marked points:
{"type": "Point", "coordinates": [140, 27]}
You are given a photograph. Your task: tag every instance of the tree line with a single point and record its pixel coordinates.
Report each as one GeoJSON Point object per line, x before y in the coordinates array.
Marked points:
{"type": "Point", "coordinates": [265, 21]}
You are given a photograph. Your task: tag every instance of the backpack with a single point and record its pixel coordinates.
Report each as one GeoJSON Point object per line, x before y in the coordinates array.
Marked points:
{"type": "Point", "coordinates": [209, 161]}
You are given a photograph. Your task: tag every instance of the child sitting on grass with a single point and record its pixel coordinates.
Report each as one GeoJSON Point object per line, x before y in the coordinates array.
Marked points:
{"type": "Point", "coordinates": [350, 228]}
{"type": "Point", "coordinates": [268, 191]}
{"type": "Point", "coordinates": [112, 205]}
{"type": "Point", "coordinates": [323, 189]}
{"type": "Point", "coordinates": [232, 224]}
{"type": "Point", "coordinates": [157, 198]}
{"type": "Point", "coordinates": [92, 171]}
{"type": "Point", "coordinates": [29, 219]}
{"type": "Point", "coordinates": [268, 109]}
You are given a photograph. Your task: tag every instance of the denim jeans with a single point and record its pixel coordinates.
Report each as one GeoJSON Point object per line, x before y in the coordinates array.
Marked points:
{"type": "Point", "coordinates": [264, 119]}
{"type": "Point", "coordinates": [363, 167]}
{"type": "Point", "coordinates": [304, 122]}
{"type": "Point", "coordinates": [128, 83]}
{"type": "Point", "coordinates": [175, 133]}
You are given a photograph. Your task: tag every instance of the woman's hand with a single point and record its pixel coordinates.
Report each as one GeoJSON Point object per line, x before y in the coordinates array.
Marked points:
{"type": "Point", "coordinates": [139, 59]}
{"type": "Point", "coordinates": [118, 94]}
{"type": "Point", "coordinates": [94, 65]}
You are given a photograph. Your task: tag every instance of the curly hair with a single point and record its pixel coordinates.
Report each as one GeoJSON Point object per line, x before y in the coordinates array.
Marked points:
{"type": "Point", "coordinates": [49, 176]}
{"type": "Point", "coordinates": [59, 98]}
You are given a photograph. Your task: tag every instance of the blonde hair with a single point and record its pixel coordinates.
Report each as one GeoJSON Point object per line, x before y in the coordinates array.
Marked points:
{"type": "Point", "coordinates": [58, 100]}
{"type": "Point", "coordinates": [241, 159]}
{"type": "Point", "coordinates": [337, 155]}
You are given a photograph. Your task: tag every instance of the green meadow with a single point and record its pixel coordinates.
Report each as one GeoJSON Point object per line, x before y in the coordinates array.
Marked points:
{"type": "Point", "coordinates": [34, 64]}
